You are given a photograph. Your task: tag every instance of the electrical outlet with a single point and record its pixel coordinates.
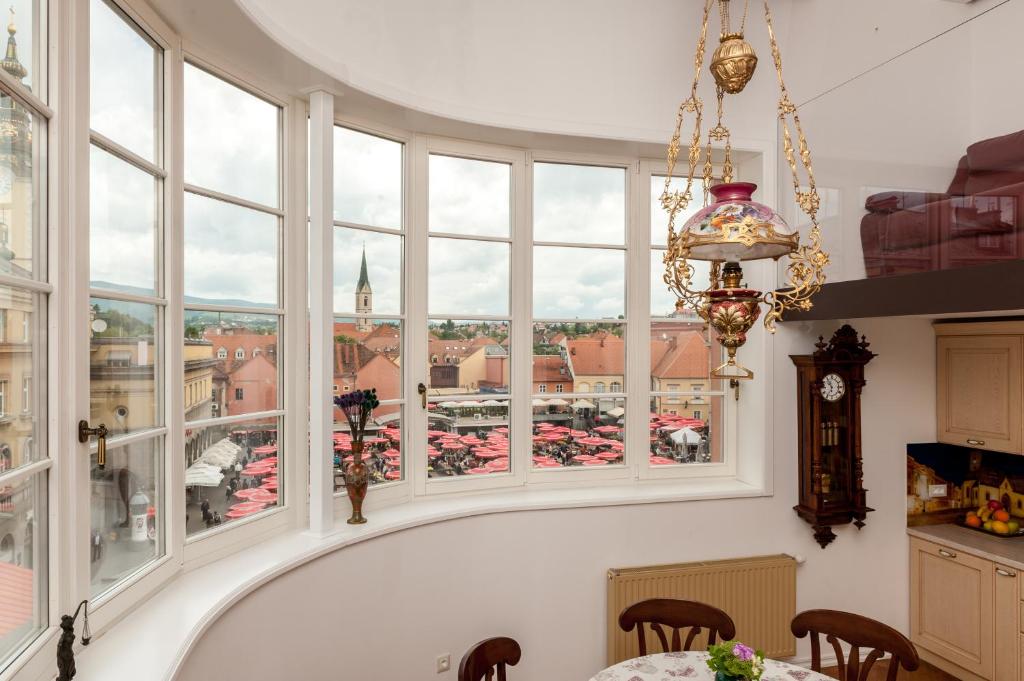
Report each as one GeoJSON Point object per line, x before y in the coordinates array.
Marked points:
{"type": "Point", "coordinates": [444, 663]}
{"type": "Point", "coordinates": [936, 491]}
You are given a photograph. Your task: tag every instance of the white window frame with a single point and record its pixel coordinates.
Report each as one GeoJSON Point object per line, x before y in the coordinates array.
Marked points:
{"type": "Point", "coordinates": [520, 378]}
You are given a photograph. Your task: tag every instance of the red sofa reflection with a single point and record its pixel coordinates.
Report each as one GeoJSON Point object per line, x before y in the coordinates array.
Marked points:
{"type": "Point", "coordinates": [976, 221]}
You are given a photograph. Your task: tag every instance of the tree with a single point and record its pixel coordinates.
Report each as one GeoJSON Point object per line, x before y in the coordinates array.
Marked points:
{"type": "Point", "coordinates": [344, 340]}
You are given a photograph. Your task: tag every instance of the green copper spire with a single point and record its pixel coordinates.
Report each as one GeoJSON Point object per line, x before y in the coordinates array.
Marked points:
{"type": "Point", "coordinates": [364, 279]}
{"type": "Point", "coordinates": [10, 63]}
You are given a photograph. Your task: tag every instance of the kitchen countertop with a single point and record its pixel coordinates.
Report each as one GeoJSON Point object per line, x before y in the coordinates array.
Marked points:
{"type": "Point", "coordinates": [1008, 552]}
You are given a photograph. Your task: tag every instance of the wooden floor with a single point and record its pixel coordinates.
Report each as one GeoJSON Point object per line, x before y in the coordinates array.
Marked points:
{"type": "Point", "coordinates": [925, 672]}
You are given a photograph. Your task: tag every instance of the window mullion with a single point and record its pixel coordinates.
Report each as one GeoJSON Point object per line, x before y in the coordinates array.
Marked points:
{"type": "Point", "coordinates": [321, 328]}
{"type": "Point", "coordinates": [638, 306]}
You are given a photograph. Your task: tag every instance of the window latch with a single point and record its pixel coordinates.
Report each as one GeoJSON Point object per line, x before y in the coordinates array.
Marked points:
{"type": "Point", "coordinates": [100, 431]}
{"type": "Point", "coordinates": [422, 390]}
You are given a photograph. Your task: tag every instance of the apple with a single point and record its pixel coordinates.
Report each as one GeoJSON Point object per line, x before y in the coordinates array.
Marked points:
{"type": "Point", "coordinates": [994, 505]}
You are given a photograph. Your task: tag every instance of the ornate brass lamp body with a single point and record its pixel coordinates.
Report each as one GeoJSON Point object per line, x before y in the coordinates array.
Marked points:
{"type": "Point", "coordinates": [735, 228]}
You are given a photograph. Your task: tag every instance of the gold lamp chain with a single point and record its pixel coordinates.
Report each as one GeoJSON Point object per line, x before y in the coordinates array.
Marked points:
{"type": "Point", "coordinates": [674, 201]}
{"type": "Point", "coordinates": [806, 269]}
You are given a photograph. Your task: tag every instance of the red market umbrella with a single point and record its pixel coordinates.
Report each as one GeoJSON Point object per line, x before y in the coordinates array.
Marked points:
{"type": "Point", "coordinates": [267, 449]}
{"type": "Point", "coordinates": [583, 458]}
{"type": "Point", "coordinates": [269, 486]}
{"type": "Point", "coordinates": [245, 508]}
{"type": "Point", "coordinates": [263, 496]}
{"type": "Point", "coordinates": [246, 493]}
{"type": "Point", "coordinates": [607, 429]}
{"type": "Point", "coordinates": [453, 445]}
{"type": "Point", "coordinates": [609, 456]}
{"type": "Point", "coordinates": [502, 430]}
{"type": "Point", "coordinates": [270, 479]}
{"type": "Point", "coordinates": [661, 461]}
{"type": "Point", "coordinates": [549, 464]}
{"type": "Point", "coordinates": [478, 471]}
{"type": "Point", "coordinates": [436, 433]}
{"type": "Point", "coordinates": [595, 462]}
{"type": "Point", "coordinates": [393, 475]}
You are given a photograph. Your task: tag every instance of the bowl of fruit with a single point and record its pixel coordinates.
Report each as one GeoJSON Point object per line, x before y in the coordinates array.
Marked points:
{"type": "Point", "coordinates": [992, 518]}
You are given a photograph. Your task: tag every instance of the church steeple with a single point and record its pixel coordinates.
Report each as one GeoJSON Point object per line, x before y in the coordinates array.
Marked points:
{"type": "Point", "coordinates": [364, 297]}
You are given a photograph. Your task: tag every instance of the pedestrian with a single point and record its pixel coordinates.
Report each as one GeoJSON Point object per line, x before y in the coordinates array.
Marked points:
{"type": "Point", "coordinates": [228, 492]}
{"type": "Point", "coordinates": [217, 520]}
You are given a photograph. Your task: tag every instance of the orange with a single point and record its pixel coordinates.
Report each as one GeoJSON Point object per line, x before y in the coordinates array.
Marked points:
{"type": "Point", "coordinates": [999, 527]}
{"type": "Point", "coordinates": [973, 521]}
{"type": "Point", "coordinates": [1001, 516]}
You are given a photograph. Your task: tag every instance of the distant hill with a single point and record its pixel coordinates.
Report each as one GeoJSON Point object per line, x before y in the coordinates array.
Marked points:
{"type": "Point", "coordinates": [223, 302]}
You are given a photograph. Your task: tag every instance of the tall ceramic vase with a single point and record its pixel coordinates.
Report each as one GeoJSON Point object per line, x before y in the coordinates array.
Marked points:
{"type": "Point", "coordinates": [357, 479]}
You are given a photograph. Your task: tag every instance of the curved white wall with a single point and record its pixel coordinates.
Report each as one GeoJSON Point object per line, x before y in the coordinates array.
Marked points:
{"type": "Point", "coordinates": [386, 608]}
{"type": "Point", "coordinates": [607, 68]}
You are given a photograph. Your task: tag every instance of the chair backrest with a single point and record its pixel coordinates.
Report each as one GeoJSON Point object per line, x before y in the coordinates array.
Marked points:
{"type": "Point", "coordinates": [659, 613]}
{"type": "Point", "coordinates": [859, 632]}
{"type": "Point", "coordinates": [487, 657]}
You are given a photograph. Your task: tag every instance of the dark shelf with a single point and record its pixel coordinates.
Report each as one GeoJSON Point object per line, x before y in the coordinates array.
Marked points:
{"type": "Point", "coordinates": [984, 288]}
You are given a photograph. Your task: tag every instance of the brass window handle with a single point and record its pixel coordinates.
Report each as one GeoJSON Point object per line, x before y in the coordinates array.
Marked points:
{"type": "Point", "coordinates": [1005, 573]}
{"type": "Point", "coordinates": [977, 443]}
{"type": "Point", "coordinates": [422, 390]}
{"type": "Point", "coordinates": [100, 431]}
{"type": "Point", "coordinates": [947, 554]}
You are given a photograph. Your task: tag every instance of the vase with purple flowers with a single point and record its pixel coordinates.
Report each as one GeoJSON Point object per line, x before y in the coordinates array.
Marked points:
{"type": "Point", "coordinates": [357, 406]}
{"type": "Point", "coordinates": [735, 661]}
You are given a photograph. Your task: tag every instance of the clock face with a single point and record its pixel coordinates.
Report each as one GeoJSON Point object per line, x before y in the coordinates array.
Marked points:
{"type": "Point", "coordinates": [833, 387]}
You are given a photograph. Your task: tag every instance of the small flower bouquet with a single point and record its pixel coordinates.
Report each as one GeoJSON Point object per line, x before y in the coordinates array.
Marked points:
{"type": "Point", "coordinates": [733, 660]}
{"type": "Point", "coordinates": [357, 405]}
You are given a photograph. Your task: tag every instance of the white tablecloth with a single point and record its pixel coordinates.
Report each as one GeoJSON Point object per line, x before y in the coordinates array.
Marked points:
{"type": "Point", "coordinates": [693, 665]}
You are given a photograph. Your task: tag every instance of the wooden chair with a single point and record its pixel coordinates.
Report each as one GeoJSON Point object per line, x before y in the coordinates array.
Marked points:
{"type": "Point", "coordinates": [677, 614]}
{"type": "Point", "coordinates": [859, 632]}
{"type": "Point", "coordinates": [488, 656]}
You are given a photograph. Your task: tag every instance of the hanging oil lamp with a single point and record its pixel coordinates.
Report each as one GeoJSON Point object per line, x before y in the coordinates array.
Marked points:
{"type": "Point", "coordinates": [735, 228]}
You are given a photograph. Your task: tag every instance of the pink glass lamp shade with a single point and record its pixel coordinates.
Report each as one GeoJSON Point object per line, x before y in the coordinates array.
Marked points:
{"type": "Point", "coordinates": [736, 228]}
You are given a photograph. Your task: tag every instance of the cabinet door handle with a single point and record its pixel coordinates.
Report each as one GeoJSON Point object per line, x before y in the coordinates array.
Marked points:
{"type": "Point", "coordinates": [1005, 573]}
{"type": "Point", "coordinates": [976, 443]}
{"type": "Point", "coordinates": [946, 554]}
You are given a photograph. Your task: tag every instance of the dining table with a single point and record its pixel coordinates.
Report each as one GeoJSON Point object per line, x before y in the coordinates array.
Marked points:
{"type": "Point", "coordinates": [693, 665]}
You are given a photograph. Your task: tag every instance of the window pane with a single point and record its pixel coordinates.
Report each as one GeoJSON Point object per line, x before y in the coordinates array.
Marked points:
{"type": "Point", "coordinates": [230, 254]}
{"type": "Point", "coordinates": [368, 354]}
{"type": "Point", "coordinates": [659, 216]}
{"type": "Point", "coordinates": [468, 277]}
{"type": "Point", "coordinates": [122, 78]}
{"type": "Point", "coordinates": [367, 179]}
{"type": "Point", "coordinates": [232, 472]}
{"type": "Point", "coordinates": [468, 357]}
{"type": "Point", "coordinates": [367, 272]}
{"type": "Point", "coordinates": [469, 196]}
{"type": "Point", "coordinates": [578, 357]}
{"type": "Point", "coordinates": [686, 429]}
{"type": "Point", "coordinates": [682, 357]}
{"type": "Point", "coordinates": [382, 446]}
{"type": "Point", "coordinates": [27, 42]}
{"type": "Point", "coordinates": [21, 362]}
{"type": "Point", "coordinates": [231, 139]}
{"type": "Point", "coordinates": [127, 512]}
{"type": "Point", "coordinates": [578, 283]}
{"type": "Point", "coordinates": [22, 564]}
{"type": "Point", "coordinates": [467, 438]}
{"type": "Point", "coordinates": [22, 206]}
{"type": "Point", "coordinates": [122, 225]}
{"type": "Point", "coordinates": [231, 364]}
{"type": "Point", "coordinates": [123, 360]}
{"type": "Point", "coordinates": [579, 204]}
{"type": "Point", "coordinates": [582, 432]}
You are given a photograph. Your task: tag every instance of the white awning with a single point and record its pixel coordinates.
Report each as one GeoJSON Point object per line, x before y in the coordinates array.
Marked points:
{"type": "Point", "coordinates": [537, 402]}
{"type": "Point", "coordinates": [583, 404]}
{"type": "Point", "coordinates": [685, 436]}
{"type": "Point", "coordinates": [617, 411]}
{"type": "Point", "coordinates": [558, 402]}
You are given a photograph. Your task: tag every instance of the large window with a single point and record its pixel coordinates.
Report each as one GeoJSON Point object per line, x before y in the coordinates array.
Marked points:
{"type": "Point", "coordinates": [469, 316]}
{"type": "Point", "coordinates": [579, 313]}
{"type": "Point", "coordinates": [233, 303]}
{"type": "Point", "coordinates": [128, 304]}
{"type": "Point", "coordinates": [369, 247]}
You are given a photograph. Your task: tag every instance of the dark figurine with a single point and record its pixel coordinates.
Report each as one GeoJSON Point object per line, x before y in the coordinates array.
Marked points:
{"type": "Point", "coordinates": [65, 646]}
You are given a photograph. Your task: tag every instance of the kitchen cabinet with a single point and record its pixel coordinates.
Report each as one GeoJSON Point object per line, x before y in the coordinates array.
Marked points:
{"type": "Point", "coordinates": [951, 605]}
{"type": "Point", "coordinates": [980, 385]}
{"type": "Point", "coordinates": [965, 612]}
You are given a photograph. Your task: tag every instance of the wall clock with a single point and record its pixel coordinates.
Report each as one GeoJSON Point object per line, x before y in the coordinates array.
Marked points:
{"type": "Point", "coordinates": [829, 384]}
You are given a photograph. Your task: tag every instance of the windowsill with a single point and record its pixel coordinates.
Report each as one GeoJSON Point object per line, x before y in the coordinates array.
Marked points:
{"type": "Point", "coordinates": [153, 640]}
